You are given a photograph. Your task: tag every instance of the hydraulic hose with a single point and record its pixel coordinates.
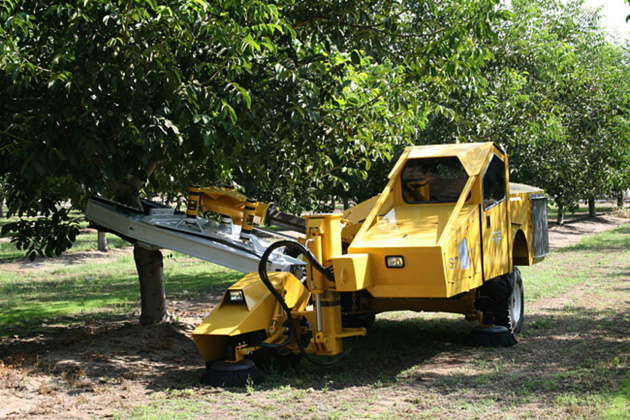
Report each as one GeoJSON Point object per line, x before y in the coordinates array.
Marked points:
{"type": "Point", "coordinates": [327, 272]}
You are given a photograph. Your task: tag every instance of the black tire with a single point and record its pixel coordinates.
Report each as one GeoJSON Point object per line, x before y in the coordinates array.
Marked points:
{"type": "Point", "coordinates": [501, 301]}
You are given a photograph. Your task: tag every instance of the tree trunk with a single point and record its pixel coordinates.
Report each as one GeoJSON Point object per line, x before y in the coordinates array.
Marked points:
{"type": "Point", "coordinates": [620, 199]}
{"type": "Point", "coordinates": [148, 263]}
{"type": "Point", "coordinates": [560, 218]}
{"type": "Point", "coordinates": [151, 275]}
{"type": "Point", "coordinates": [102, 242]}
{"type": "Point", "coordinates": [1, 206]}
{"type": "Point", "coordinates": [591, 207]}
{"type": "Point", "coordinates": [346, 203]}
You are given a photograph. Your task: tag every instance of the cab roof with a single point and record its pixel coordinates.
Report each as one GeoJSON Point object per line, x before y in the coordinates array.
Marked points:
{"type": "Point", "coordinates": [472, 155]}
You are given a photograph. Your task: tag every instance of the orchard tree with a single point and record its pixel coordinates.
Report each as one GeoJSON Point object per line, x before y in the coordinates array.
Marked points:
{"type": "Point", "coordinates": [2, 194]}
{"type": "Point", "coordinates": [101, 94]}
{"type": "Point", "coordinates": [555, 99]}
{"type": "Point", "coordinates": [388, 65]}
{"type": "Point", "coordinates": [280, 97]}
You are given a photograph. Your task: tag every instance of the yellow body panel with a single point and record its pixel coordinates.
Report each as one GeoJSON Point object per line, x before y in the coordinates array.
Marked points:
{"type": "Point", "coordinates": [471, 155]}
{"type": "Point", "coordinates": [355, 216]}
{"type": "Point", "coordinates": [431, 269]}
{"type": "Point", "coordinates": [462, 256]}
{"type": "Point", "coordinates": [420, 277]}
{"type": "Point", "coordinates": [328, 228]}
{"type": "Point", "coordinates": [230, 319]}
{"type": "Point", "coordinates": [359, 212]}
{"type": "Point", "coordinates": [405, 226]}
{"type": "Point", "coordinates": [352, 272]}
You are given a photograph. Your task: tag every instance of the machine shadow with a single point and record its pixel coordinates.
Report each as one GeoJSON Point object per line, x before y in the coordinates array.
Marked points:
{"type": "Point", "coordinates": [164, 356]}
{"type": "Point", "coordinates": [391, 348]}
{"type": "Point", "coordinates": [416, 351]}
{"type": "Point", "coordinates": [422, 353]}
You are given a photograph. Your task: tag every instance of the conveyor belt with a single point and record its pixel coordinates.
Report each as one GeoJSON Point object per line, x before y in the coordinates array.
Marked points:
{"type": "Point", "coordinates": [197, 237]}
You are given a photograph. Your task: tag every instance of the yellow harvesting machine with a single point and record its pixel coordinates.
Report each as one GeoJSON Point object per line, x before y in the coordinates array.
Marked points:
{"type": "Point", "coordinates": [445, 235]}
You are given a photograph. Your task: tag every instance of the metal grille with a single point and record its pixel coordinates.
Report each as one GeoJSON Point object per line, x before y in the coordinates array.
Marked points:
{"type": "Point", "coordinates": [539, 222]}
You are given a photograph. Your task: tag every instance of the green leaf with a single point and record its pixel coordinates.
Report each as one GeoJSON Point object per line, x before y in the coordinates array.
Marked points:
{"type": "Point", "coordinates": [227, 110]}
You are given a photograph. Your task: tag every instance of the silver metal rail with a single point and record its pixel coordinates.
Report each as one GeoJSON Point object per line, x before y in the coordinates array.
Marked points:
{"type": "Point", "coordinates": [197, 237]}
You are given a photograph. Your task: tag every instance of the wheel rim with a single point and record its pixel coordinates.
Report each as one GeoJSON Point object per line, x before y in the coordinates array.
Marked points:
{"type": "Point", "coordinates": [517, 304]}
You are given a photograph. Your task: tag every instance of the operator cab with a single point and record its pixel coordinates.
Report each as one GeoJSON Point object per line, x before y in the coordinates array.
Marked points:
{"type": "Point", "coordinates": [444, 207]}
{"type": "Point", "coordinates": [433, 180]}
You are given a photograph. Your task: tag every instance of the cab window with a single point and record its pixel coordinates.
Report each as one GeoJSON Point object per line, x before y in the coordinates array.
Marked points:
{"type": "Point", "coordinates": [434, 180]}
{"type": "Point", "coordinates": [494, 182]}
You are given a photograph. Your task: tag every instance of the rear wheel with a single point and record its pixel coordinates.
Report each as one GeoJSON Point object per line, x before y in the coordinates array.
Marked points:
{"type": "Point", "coordinates": [501, 301]}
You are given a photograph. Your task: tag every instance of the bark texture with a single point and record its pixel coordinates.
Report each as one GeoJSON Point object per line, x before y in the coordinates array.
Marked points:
{"type": "Point", "coordinates": [560, 218]}
{"type": "Point", "coordinates": [102, 242]}
{"type": "Point", "coordinates": [149, 264]}
{"type": "Point", "coordinates": [591, 207]}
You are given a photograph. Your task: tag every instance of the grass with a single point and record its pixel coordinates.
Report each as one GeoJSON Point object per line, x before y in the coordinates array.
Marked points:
{"type": "Point", "coordinates": [573, 360]}
{"type": "Point", "coordinates": [84, 242]}
{"type": "Point", "coordinates": [582, 211]}
{"type": "Point", "coordinates": [619, 404]}
{"type": "Point", "coordinates": [74, 289]}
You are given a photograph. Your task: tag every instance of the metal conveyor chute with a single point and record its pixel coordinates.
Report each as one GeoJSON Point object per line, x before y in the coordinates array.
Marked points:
{"type": "Point", "coordinates": [198, 237]}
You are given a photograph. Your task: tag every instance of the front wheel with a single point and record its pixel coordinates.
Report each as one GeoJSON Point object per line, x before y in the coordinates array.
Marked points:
{"type": "Point", "coordinates": [501, 301]}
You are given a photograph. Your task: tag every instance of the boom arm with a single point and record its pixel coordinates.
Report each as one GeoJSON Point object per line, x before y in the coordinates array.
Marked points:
{"type": "Point", "coordinates": [240, 209]}
{"type": "Point", "coordinates": [233, 243]}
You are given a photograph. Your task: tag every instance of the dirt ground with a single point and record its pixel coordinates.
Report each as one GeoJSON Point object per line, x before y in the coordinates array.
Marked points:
{"type": "Point", "coordinates": [572, 231]}
{"type": "Point", "coordinates": [100, 369]}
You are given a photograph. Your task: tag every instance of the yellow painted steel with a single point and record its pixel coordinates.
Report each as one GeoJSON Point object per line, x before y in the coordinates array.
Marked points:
{"type": "Point", "coordinates": [247, 224]}
{"type": "Point", "coordinates": [496, 228]}
{"type": "Point", "coordinates": [352, 272]}
{"type": "Point", "coordinates": [192, 208]}
{"type": "Point", "coordinates": [256, 313]}
{"type": "Point", "coordinates": [328, 228]}
{"type": "Point", "coordinates": [323, 239]}
{"type": "Point", "coordinates": [462, 256]}
{"type": "Point", "coordinates": [230, 203]}
{"type": "Point", "coordinates": [447, 230]}
{"type": "Point", "coordinates": [497, 254]}
{"type": "Point", "coordinates": [471, 155]}
{"type": "Point", "coordinates": [443, 244]}
{"type": "Point", "coordinates": [354, 217]}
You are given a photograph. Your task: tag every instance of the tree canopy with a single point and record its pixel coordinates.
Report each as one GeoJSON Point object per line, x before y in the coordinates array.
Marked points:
{"type": "Point", "coordinates": [295, 102]}
{"type": "Point", "coordinates": [285, 99]}
{"type": "Point", "coordinates": [556, 100]}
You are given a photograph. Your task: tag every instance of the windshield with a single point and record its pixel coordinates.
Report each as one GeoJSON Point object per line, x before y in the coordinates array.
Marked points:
{"type": "Point", "coordinates": [438, 180]}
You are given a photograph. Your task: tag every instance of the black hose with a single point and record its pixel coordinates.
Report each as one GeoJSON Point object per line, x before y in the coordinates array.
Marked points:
{"type": "Point", "coordinates": [262, 272]}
